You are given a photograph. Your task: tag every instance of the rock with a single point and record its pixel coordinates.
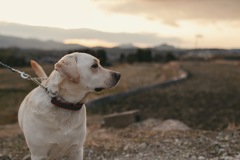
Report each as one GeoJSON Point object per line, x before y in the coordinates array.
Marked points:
{"type": "Point", "coordinates": [121, 120]}
{"type": "Point", "coordinates": [201, 158]}
{"type": "Point", "coordinates": [151, 123]}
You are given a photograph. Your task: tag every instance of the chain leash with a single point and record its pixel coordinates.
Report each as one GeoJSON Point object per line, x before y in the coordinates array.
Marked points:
{"type": "Point", "coordinates": [28, 77]}
{"type": "Point", "coordinates": [57, 101]}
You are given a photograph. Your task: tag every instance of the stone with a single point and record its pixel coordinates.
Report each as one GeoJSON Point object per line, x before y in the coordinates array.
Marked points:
{"type": "Point", "coordinates": [121, 120]}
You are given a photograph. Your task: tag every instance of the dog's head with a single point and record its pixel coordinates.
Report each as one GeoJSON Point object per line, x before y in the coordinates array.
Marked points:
{"type": "Point", "coordinates": [85, 70]}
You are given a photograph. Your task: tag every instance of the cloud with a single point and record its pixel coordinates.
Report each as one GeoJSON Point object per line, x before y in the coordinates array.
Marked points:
{"type": "Point", "coordinates": [172, 11]}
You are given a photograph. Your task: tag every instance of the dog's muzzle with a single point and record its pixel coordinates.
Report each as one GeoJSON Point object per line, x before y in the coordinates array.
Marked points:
{"type": "Point", "coordinates": [115, 77]}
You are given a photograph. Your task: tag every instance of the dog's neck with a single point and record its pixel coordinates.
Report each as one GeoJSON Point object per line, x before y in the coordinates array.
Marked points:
{"type": "Point", "coordinates": [66, 90]}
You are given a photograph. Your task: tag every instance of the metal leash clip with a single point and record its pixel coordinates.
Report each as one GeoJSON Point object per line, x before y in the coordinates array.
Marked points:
{"type": "Point", "coordinates": [25, 75]}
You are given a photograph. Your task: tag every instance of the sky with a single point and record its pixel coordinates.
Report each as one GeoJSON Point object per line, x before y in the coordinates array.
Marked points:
{"type": "Point", "coordinates": [185, 23]}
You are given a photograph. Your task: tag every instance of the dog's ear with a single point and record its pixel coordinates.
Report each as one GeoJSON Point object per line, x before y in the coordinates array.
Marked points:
{"type": "Point", "coordinates": [68, 68]}
{"type": "Point", "coordinates": [38, 69]}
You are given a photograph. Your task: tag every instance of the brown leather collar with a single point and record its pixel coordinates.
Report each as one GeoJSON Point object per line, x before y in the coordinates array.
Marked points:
{"type": "Point", "coordinates": [66, 105]}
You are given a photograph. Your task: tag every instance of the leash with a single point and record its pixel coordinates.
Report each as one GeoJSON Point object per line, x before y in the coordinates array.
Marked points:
{"type": "Point", "coordinates": [54, 98]}
{"type": "Point", "coordinates": [26, 76]}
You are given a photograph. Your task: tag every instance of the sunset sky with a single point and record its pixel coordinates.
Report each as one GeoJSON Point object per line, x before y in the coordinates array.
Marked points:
{"type": "Point", "coordinates": [183, 23]}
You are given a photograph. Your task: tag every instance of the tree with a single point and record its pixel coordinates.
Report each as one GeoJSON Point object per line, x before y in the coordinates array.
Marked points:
{"type": "Point", "coordinates": [144, 55]}
{"type": "Point", "coordinates": [170, 57]}
{"type": "Point", "coordinates": [102, 56]}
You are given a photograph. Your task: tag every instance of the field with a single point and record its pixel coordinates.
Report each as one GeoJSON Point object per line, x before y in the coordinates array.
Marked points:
{"type": "Point", "coordinates": [208, 102]}
{"type": "Point", "coordinates": [209, 99]}
{"type": "Point", "coordinates": [13, 89]}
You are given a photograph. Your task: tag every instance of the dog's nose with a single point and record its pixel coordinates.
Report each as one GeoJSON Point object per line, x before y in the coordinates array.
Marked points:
{"type": "Point", "coordinates": [116, 76]}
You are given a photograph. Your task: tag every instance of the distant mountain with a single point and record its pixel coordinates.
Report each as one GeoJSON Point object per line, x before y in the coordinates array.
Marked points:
{"type": "Point", "coordinates": [8, 41]}
{"type": "Point", "coordinates": [165, 47]}
{"type": "Point", "coordinates": [126, 46]}
{"type": "Point", "coordinates": [60, 35]}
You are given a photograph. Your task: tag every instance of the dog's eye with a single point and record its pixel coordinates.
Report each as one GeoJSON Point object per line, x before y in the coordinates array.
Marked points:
{"type": "Point", "coordinates": [95, 66]}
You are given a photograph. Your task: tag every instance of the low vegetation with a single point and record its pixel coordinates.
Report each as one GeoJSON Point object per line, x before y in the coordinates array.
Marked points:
{"type": "Point", "coordinates": [208, 99]}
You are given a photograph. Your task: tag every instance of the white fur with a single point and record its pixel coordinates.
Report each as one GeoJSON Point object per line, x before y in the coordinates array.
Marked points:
{"type": "Point", "coordinates": [52, 132]}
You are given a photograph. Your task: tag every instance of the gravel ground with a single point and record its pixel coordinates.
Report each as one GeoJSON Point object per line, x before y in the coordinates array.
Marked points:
{"type": "Point", "coordinates": [145, 141]}
{"type": "Point", "coordinates": [149, 141]}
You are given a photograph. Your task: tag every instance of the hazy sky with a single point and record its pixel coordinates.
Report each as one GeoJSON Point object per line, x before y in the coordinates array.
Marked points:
{"type": "Point", "coordinates": [196, 23]}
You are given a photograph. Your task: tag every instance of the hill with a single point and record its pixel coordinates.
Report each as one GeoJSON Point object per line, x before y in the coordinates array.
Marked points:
{"type": "Point", "coordinates": [9, 41]}
{"type": "Point", "coordinates": [60, 35]}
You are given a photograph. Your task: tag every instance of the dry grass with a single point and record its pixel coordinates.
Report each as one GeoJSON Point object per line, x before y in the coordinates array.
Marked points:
{"type": "Point", "coordinates": [209, 99]}
{"type": "Point", "coordinates": [139, 75]}
{"type": "Point", "coordinates": [13, 89]}
{"type": "Point", "coordinates": [12, 80]}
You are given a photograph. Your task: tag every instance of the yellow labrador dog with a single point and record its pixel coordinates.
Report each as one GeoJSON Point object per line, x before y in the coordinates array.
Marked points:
{"type": "Point", "coordinates": [55, 126]}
